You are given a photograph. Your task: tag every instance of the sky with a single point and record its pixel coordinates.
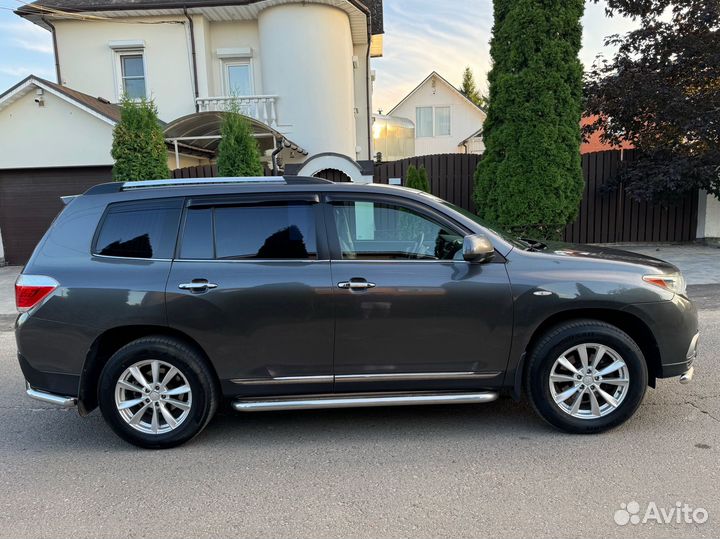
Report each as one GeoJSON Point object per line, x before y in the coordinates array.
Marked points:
{"type": "Point", "coordinates": [420, 36]}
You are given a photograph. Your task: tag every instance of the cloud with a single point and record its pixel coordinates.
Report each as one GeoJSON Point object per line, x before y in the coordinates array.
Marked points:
{"type": "Point", "coordinates": [426, 35]}
{"type": "Point", "coordinates": [23, 71]}
{"type": "Point", "coordinates": [34, 46]}
{"type": "Point", "coordinates": [28, 36]}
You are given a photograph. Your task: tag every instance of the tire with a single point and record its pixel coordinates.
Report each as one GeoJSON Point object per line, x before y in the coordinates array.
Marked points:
{"type": "Point", "coordinates": [597, 338]}
{"type": "Point", "coordinates": [168, 416]}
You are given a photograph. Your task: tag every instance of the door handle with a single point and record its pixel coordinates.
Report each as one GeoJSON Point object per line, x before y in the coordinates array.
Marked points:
{"type": "Point", "coordinates": [355, 285]}
{"type": "Point", "coordinates": [197, 286]}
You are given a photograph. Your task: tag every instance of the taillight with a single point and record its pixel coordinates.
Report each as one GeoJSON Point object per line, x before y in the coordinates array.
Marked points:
{"type": "Point", "coordinates": [31, 290]}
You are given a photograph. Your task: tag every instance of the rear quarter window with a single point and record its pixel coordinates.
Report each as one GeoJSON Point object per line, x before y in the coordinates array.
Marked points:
{"type": "Point", "coordinates": [139, 230]}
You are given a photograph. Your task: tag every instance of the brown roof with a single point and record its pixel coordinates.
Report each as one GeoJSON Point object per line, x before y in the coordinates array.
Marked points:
{"type": "Point", "coordinates": [44, 6]}
{"type": "Point", "coordinates": [99, 105]}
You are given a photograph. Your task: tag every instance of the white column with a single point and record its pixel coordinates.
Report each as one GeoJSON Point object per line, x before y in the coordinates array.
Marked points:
{"type": "Point", "coordinates": [708, 225]}
{"type": "Point", "coordinates": [306, 55]}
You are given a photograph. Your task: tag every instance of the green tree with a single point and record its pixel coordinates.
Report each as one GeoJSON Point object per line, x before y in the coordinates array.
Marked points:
{"type": "Point", "coordinates": [468, 88]}
{"type": "Point", "coordinates": [138, 147]}
{"type": "Point", "coordinates": [530, 178]}
{"type": "Point", "coordinates": [238, 152]}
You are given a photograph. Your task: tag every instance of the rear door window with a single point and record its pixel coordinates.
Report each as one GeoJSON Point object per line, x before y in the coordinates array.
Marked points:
{"type": "Point", "coordinates": [139, 230]}
{"type": "Point", "coordinates": [273, 230]}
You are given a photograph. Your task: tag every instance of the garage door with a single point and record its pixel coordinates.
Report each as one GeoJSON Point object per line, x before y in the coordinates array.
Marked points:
{"type": "Point", "coordinates": [30, 200]}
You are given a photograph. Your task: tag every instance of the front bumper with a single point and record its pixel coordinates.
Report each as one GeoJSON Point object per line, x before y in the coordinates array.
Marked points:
{"type": "Point", "coordinates": [50, 398]}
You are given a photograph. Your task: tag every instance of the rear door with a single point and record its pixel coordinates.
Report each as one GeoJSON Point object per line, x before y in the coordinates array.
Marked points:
{"type": "Point", "coordinates": [251, 284]}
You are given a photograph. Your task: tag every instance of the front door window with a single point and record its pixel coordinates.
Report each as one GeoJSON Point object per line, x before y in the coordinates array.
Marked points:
{"type": "Point", "coordinates": [379, 231]}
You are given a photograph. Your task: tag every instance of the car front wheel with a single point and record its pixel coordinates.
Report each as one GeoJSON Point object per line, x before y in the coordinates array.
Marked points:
{"type": "Point", "coordinates": [586, 376]}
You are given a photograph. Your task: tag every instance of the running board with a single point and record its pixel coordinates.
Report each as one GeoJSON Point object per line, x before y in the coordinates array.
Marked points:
{"type": "Point", "coordinates": [360, 401]}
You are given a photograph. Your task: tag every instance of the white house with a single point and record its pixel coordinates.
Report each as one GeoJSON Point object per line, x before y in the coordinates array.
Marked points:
{"type": "Point", "coordinates": [445, 120]}
{"type": "Point", "coordinates": [293, 65]}
{"type": "Point", "coordinates": [299, 69]}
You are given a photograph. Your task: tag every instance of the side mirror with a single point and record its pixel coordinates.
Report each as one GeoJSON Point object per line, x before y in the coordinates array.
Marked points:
{"type": "Point", "coordinates": [477, 248]}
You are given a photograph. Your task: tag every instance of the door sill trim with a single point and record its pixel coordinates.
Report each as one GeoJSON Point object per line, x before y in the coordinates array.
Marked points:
{"type": "Point", "coordinates": [369, 377]}
{"type": "Point", "coordinates": [364, 400]}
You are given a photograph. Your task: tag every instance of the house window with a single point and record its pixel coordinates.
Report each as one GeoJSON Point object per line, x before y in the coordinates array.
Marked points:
{"type": "Point", "coordinates": [432, 121]}
{"type": "Point", "coordinates": [442, 121]}
{"type": "Point", "coordinates": [238, 78]}
{"type": "Point", "coordinates": [424, 122]}
{"type": "Point", "coordinates": [132, 74]}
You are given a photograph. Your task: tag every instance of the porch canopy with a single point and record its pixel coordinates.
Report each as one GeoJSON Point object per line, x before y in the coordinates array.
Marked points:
{"type": "Point", "coordinates": [198, 134]}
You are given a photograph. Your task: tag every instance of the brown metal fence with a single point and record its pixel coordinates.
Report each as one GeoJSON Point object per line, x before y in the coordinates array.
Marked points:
{"type": "Point", "coordinates": [199, 171]}
{"type": "Point", "coordinates": [451, 175]}
{"type": "Point", "coordinates": [603, 217]}
{"type": "Point", "coordinates": [607, 217]}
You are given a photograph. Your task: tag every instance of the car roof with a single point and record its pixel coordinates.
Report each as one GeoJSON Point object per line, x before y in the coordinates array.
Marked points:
{"type": "Point", "coordinates": [183, 187]}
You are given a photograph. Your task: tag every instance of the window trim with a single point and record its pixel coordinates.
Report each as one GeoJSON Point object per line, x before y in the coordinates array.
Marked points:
{"type": "Point", "coordinates": [417, 207]}
{"type": "Point", "coordinates": [137, 205]}
{"type": "Point", "coordinates": [120, 79]}
{"type": "Point", "coordinates": [434, 133]}
{"type": "Point", "coordinates": [212, 201]}
{"type": "Point", "coordinates": [237, 61]}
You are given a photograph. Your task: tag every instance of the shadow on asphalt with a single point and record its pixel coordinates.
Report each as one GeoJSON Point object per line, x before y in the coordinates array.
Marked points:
{"type": "Point", "coordinates": [44, 430]}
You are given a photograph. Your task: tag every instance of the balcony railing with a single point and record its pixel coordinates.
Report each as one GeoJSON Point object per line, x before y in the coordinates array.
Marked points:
{"type": "Point", "coordinates": [259, 107]}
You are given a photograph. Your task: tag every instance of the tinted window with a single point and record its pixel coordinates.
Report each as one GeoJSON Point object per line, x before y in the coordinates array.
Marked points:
{"type": "Point", "coordinates": [374, 231]}
{"type": "Point", "coordinates": [197, 239]}
{"type": "Point", "coordinates": [265, 231]}
{"type": "Point", "coordinates": [132, 232]}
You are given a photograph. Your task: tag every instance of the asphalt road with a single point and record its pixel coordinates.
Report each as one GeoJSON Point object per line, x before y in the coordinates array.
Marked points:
{"type": "Point", "coordinates": [446, 471]}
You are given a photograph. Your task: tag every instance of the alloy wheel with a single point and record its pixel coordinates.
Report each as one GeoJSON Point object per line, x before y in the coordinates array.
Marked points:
{"type": "Point", "coordinates": [153, 396]}
{"type": "Point", "coordinates": [589, 381]}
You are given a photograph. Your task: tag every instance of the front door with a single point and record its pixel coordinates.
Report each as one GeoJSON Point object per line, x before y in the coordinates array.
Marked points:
{"type": "Point", "coordinates": [411, 314]}
{"type": "Point", "coordinates": [251, 284]}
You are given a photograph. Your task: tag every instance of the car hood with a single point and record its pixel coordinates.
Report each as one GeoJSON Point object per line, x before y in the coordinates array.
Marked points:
{"type": "Point", "coordinates": [609, 254]}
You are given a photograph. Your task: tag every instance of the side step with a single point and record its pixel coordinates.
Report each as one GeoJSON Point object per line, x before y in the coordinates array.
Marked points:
{"type": "Point", "coordinates": [364, 400]}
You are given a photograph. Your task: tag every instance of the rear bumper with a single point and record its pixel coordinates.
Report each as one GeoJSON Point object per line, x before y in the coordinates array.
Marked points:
{"type": "Point", "coordinates": [49, 382]}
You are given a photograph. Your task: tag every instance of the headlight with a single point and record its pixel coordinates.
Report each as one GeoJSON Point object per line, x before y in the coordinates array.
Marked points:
{"type": "Point", "coordinates": [674, 282]}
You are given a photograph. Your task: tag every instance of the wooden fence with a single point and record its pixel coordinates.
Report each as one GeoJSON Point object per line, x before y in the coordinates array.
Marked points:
{"type": "Point", "coordinates": [604, 217]}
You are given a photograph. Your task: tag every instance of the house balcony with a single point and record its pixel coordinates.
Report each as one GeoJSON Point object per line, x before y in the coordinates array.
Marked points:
{"type": "Point", "coordinates": [258, 107]}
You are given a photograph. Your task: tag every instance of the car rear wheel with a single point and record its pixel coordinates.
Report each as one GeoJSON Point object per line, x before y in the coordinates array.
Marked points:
{"type": "Point", "coordinates": [156, 392]}
{"type": "Point", "coordinates": [586, 376]}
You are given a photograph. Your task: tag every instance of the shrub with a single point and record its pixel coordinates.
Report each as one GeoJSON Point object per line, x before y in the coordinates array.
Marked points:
{"type": "Point", "coordinates": [238, 153]}
{"type": "Point", "coordinates": [417, 178]}
{"type": "Point", "coordinates": [138, 147]}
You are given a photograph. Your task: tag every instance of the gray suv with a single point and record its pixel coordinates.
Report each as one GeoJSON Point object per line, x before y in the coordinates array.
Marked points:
{"type": "Point", "coordinates": [158, 300]}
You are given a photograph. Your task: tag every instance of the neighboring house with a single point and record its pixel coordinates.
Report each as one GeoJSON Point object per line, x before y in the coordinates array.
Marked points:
{"type": "Point", "coordinates": [300, 70]}
{"type": "Point", "coordinates": [445, 120]}
{"type": "Point", "coordinates": [594, 142]}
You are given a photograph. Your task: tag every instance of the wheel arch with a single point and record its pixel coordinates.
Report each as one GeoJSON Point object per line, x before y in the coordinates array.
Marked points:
{"type": "Point", "coordinates": [636, 328]}
{"type": "Point", "coordinates": [109, 342]}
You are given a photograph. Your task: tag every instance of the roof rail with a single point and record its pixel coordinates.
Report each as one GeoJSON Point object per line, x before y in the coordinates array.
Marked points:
{"type": "Point", "coordinates": [115, 187]}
